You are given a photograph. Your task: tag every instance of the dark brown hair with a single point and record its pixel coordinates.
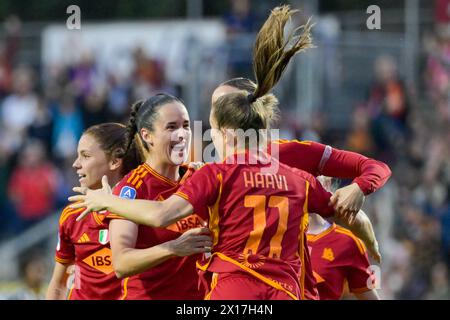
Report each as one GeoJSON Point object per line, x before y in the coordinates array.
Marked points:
{"type": "Point", "coordinates": [112, 138]}
{"type": "Point", "coordinates": [255, 108]}
{"type": "Point", "coordinates": [143, 115]}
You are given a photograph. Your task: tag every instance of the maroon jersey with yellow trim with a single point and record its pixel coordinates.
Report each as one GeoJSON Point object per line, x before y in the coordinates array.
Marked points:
{"type": "Point", "coordinates": [320, 159]}
{"type": "Point", "coordinates": [86, 244]}
{"type": "Point", "coordinates": [338, 256]}
{"type": "Point", "coordinates": [176, 278]}
{"type": "Point", "coordinates": [256, 217]}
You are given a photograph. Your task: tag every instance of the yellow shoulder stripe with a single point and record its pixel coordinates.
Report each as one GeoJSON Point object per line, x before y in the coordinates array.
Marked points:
{"type": "Point", "coordinates": [359, 243]}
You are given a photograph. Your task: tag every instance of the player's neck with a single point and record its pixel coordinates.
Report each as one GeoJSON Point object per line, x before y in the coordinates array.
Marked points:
{"type": "Point", "coordinates": [169, 171]}
{"type": "Point", "coordinates": [317, 224]}
{"type": "Point", "coordinates": [114, 179]}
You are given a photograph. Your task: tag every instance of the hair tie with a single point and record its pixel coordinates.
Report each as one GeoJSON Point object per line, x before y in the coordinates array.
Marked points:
{"type": "Point", "coordinates": [250, 98]}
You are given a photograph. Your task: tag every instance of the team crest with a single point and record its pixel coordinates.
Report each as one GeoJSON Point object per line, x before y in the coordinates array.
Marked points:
{"type": "Point", "coordinates": [328, 254]}
{"type": "Point", "coordinates": [128, 192]}
{"type": "Point", "coordinates": [103, 236]}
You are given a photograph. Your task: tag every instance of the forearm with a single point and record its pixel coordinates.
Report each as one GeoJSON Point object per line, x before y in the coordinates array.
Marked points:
{"type": "Point", "coordinates": [362, 228]}
{"type": "Point", "coordinates": [56, 291]}
{"type": "Point", "coordinates": [132, 261]}
{"type": "Point", "coordinates": [57, 288]}
{"type": "Point", "coordinates": [374, 174]}
{"type": "Point", "coordinates": [368, 173]}
{"type": "Point", "coordinates": [144, 212]}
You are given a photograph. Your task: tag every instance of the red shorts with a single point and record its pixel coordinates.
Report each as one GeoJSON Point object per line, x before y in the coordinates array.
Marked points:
{"type": "Point", "coordinates": [238, 286]}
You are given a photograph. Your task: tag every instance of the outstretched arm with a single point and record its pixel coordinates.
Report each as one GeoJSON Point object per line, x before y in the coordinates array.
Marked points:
{"type": "Point", "coordinates": [145, 212]}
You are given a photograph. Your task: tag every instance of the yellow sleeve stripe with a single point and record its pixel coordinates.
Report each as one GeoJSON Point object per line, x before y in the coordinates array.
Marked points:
{"type": "Point", "coordinates": [63, 261]}
{"type": "Point", "coordinates": [135, 172]}
{"type": "Point", "coordinates": [302, 242]}
{"type": "Point", "coordinates": [183, 195]}
{"type": "Point", "coordinates": [125, 288]}
{"type": "Point", "coordinates": [138, 185]}
{"type": "Point", "coordinates": [114, 216]}
{"type": "Point", "coordinates": [66, 215]}
{"type": "Point", "coordinates": [283, 141]}
{"type": "Point", "coordinates": [359, 243]}
{"type": "Point", "coordinates": [70, 293]}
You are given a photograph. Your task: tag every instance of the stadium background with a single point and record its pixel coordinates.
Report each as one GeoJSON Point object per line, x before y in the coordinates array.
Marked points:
{"type": "Point", "coordinates": [383, 93]}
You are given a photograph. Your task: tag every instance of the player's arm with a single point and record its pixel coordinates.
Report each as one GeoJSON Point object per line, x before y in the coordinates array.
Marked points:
{"type": "Point", "coordinates": [362, 228]}
{"type": "Point", "coordinates": [145, 212]}
{"type": "Point", "coordinates": [367, 295]}
{"type": "Point", "coordinates": [128, 261]}
{"type": "Point", "coordinates": [368, 174]}
{"type": "Point", "coordinates": [57, 288]}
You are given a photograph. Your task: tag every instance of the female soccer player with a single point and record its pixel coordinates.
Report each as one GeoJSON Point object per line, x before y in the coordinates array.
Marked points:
{"type": "Point", "coordinates": [141, 255]}
{"type": "Point", "coordinates": [85, 246]}
{"type": "Point", "coordinates": [368, 176]}
{"type": "Point", "coordinates": [318, 159]}
{"type": "Point", "coordinates": [254, 217]}
{"type": "Point", "coordinates": [338, 257]}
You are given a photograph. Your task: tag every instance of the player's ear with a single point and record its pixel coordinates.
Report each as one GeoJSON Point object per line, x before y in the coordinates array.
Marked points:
{"type": "Point", "coordinates": [115, 163]}
{"type": "Point", "coordinates": [228, 135]}
{"type": "Point", "coordinates": [146, 136]}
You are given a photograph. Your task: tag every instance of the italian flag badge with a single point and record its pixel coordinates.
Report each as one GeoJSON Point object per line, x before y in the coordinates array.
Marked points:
{"type": "Point", "coordinates": [103, 236]}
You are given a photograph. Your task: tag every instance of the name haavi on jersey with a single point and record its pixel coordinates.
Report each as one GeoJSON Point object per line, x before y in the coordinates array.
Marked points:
{"type": "Point", "coordinates": [264, 180]}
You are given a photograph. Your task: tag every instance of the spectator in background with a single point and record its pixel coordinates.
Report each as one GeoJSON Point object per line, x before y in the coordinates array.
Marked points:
{"type": "Point", "coordinates": [8, 52]}
{"type": "Point", "coordinates": [149, 76]}
{"type": "Point", "coordinates": [19, 109]}
{"type": "Point", "coordinates": [117, 98]}
{"type": "Point", "coordinates": [94, 108]}
{"type": "Point", "coordinates": [387, 107]}
{"type": "Point", "coordinates": [67, 128]}
{"type": "Point", "coordinates": [240, 19]}
{"type": "Point", "coordinates": [33, 271]}
{"type": "Point", "coordinates": [440, 289]}
{"type": "Point", "coordinates": [5, 167]}
{"type": "Point", "coordinates": [41, 129]}
{"type": "Point", "coordinates": [240, 24]}
{"type": "Point", "coordinates": [32, 185]}
{"type": "Point", "coordinates": [84, 76]}
{"type": "Point", "coordinates": [359, 139]}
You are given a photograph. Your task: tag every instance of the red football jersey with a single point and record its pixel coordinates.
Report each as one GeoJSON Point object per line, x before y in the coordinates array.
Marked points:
{"type": "Point", "coordinates": [175, 278]}
{"type": "Point", "coordinates": [86, 244]}
{"type": "Point", "coordinates": [338, 256]}
{"type": "Point", "coordinates": [256, 218]}
{"type": "Point", "coordinates": [319, 159]}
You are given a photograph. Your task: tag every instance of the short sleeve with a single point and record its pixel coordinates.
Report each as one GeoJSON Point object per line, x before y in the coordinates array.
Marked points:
{"type": "Point", "coordinates": [358, 271]}
{"type": "Point", "coordinates": [202, 189]}
{"type": "Point", "coordinates": [65, 250]}
{"type": "Point", "coordinates": [126, 190]}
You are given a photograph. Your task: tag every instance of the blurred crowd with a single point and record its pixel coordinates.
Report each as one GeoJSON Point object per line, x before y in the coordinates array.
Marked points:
{"type": "Point", "coordinates": [42, 118]}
